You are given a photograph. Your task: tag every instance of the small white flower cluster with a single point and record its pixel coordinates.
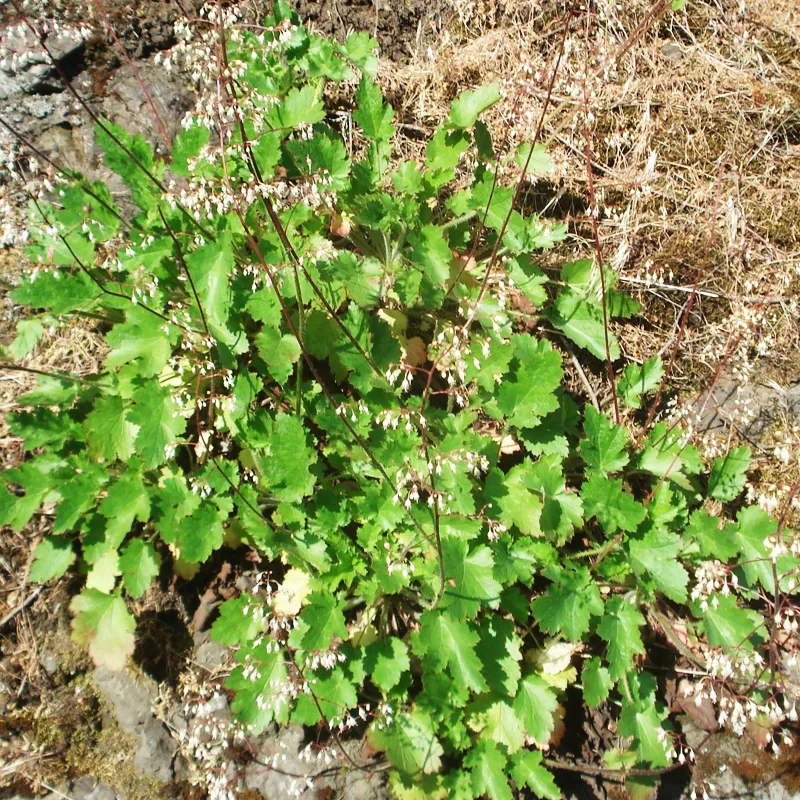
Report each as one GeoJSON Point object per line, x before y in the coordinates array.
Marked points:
{"type": "Point", "coordinates": [384, 716]}
{"type": "Point", "coordinates": [736, 712]}
{"type": "Point", "coordinates": [353, 411]}
{"type": "Point", "coordinates": [407, 476]}
{"type": "Point", "coordinates": [395, 371]}
{"type": "Point", "coordinates": [496, 529]}
{"type": "Point", "coordinates": [405, 567]}
{"type": "Point", "coordinates": [324, 659]}
{"type": "Point", "coordinates": [476, 464]}
{"type": "Point", "coordinates": [352, 719]}
{"type": "Point", "coordinates": [206, 739]}
{"type": "Point", "coordinates": [713, 577]}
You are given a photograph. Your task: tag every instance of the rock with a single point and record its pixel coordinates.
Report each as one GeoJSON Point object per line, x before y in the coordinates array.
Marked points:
{"type": "Point", "coordinates": [132, 698]}
{"type": "Point", "coordinates": [87, 788]}
{"type": "Point", "coordinates": [48, 662]}
{"type": "Point", "coordinates": [364, 786]}
{"type": "Point", "coordinates": [215, 708]}
{"type": "Point", "coordinates": [736, 767]}
{"type": "Point", "coordinates": [126, 103]}
{"type": "Point", "coordinates": [156, 751]}
{"type": "Point", "coordinates": [671, 52]}
{"type": "Point", "coordinates": [285, 748]}
{"type": "Point", "coordinates": [210, 655]}
{"type": "Point", "coordinates": [762, 402]}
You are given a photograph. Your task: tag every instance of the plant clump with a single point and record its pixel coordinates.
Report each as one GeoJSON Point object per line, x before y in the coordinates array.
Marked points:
{"type": "Point", "coordinates": [314, 352]}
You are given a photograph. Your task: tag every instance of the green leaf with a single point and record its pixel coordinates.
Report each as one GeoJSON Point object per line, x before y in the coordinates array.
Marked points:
{"type": "Point", "coordinates": [596, 681]}
{"type": "Point", "coordinates": [535, 704]}
{"type": "Point", "coordinates": [620, 628]}
{"type": "Point", "coordinates": [187, 145]}
{"type": "Point", "coordinates": [16, 510]}
{"type": "Point", "coordinates": [540, 162]}
{"type": "Point", "coordinates": [603, 448]}
{"type": "Point", "coordinates": [131, 157]}
{"type": "Point", "coordinates": [411, 744]}
{"type": "Point", "coordinates": [527, 770]}
{"type": "Point", "coordinates": [240, 620]}
{"type": "Point", "coordinates": [387, 661]}
{"type": "Point", "coordinates": [642, 722]}
{"type": "Point", "coordinates": [753, 528]}
{"type": "Point", "coordinates": [614, 508]}
{"type": "Point", "coordinates": [727, 625]}
{"type": "Point", "coordinates": [335, 695]}
{"type": "Point", "coordinates": [29, 331]}
{"type": "Point", "coordinates": [140, 338]}
{"type": "Point", "coordinates": [373, 115]}
{"type": "Point", "coordinates": [712, 540]}
{"type": "Point", "coordinates": [500, 652]}
{"type": "Point", "coordinates": [109, 433]}
{"type": "Point", "coordinates": [638, 380]}
{"type": "Point", "coordinates": [200, 534]}
{"type": "Point", "coordinates": [729, 474]}
{"type": "Point", "coordinates": [431, 253]}
{"type": "Point", "coordinates": [407, 178]}
{"type": "Point", "coordinates": [260, 698]}
{"type": "Point", "coordinates": [667, 455]}
{"type": "Point", "coordinates": [655, 554]}
{"type": "Point", "coordinates": [49, 391]}
{"type": "Point", "coordinates": [59, 291]}
{"type": "Point", "coordinates": [286, 467]}
{"type": "Point", "coordinates": [497, 721]}
{"type": "Point", "coordinates": [126, 500]}
{"type": "Point", "coordinates": [529, 394]}
{"type": "Point", "coordinates": [569, 603]}
{"type": "Point", "coordinates": [470, 104]}
{"type": "Point", "coordinates": [445, 642]}
{"type": "Point", "coordinates": [156, 415]}
{"type": "Point", "coordinates": [280, 353]}
{"type": "Point", "coordinates": [104, 624]}
{"type": "Point", "coordinates": [44, 427]}
{"type": "Point", "coordinates": [104, 572]}
{"type": "Point", "coordinates": [488, 765]}
{"type": "Point", "coordinates": [322, 620]}
{"type": "Point", "coordinates": [80, 483]}
{"type": "Point", "coordinates": [211, 266]}
{"type": "Point", "coordinates": [300, 106]}
{"type": "Point", "coordinates": [360, 49]}
{"type": "Point", "coordinates": [582, 322]}
{"type": "Point", "coordinates": [139, 563]}
{"type": "Point", "coordinates": [443, 152]}
{"type": "Point", "coordinates": [51, 559]}
{"type": "Point", "coordinates": [562, 510]}
{"type": "Point", "coordinates": [513, 498]}
{"type": "Point", "coordinates": [469, 580]}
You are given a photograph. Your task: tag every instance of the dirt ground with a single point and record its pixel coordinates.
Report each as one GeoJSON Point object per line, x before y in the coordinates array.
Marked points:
{"type": "Point", "coordinates": [693, 128]}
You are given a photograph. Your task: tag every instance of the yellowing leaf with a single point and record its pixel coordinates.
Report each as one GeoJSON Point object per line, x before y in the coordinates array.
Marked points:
{"type": "Point", "coordinates": [104, 624]}
{"type": "Point", "coordinates": [289, 599]}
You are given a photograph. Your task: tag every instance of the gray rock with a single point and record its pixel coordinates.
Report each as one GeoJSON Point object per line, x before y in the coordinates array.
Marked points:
{"type": "Point", "coordinates": [210, 655]}
{"type": "Point", "coordinates": [48, 662]}
{"type": "Point", "coordinates": [156, 751]}
{"type": "Point", "coordinates": [671, 52]}
{"type": "Point", "coordinates": [282, 748]}
{"type": "Point", "coordinates": [132, 698]}
{"type": "Point", "coordinates": [285, 748]}
{"type": "Point", "coordinates": [363, 786]}
{"type": "Point", "coordinates": [216, 707]}
{"type": "Point", "coordinates": [87, 788]}
{"type": "Point", "coordinates": [764, 402]}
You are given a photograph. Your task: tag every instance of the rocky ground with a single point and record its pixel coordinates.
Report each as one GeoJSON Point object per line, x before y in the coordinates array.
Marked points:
{"type": "Point", "coordinates": [163, 728]}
